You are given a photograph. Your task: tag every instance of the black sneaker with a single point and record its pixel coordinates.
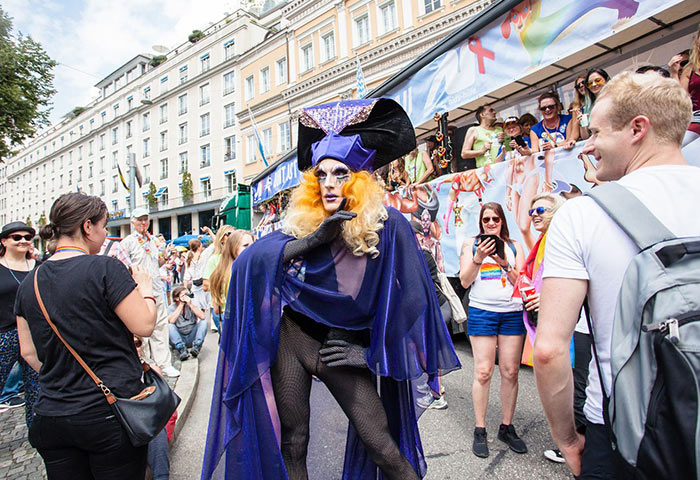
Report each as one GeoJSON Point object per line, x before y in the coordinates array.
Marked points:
{"type": "Point", "coordinates": [506, 433]}
{"type": "Point", "coordinates": [13, 402]}
{"type": "Point", "coordinates": [194, 351]}
{"type": "Point", "coordinates": [480, 447]}
{"type": "Point", "coordinates": [183, 353]}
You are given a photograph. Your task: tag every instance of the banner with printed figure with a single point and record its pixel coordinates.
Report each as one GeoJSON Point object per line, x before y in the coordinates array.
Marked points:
{"type": "Point", "coordinates": [533, 35]}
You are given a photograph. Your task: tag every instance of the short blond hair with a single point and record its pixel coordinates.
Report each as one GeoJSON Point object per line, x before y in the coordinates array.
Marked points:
{"type": "Point", "coordinates": [662, 100]}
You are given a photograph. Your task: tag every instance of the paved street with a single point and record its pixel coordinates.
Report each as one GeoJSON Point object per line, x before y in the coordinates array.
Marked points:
{"type": "Point", "coordinates": [446, 434]}
{"type": "Point", "coordinates": [18, 460]}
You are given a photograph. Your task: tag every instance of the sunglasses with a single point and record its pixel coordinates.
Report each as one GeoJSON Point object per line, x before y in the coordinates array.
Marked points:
{"type": "Point", "coordinates": [580, 85]}
{"type": "Point", "coordinates": [538, 210]}
{"type": "Point", "coordinates": [491, 219]}
{"type": "Point", "coordinates": [597, 81]}
{"type": "Point", "coordinates": [547, 108]}
{"type": "Point", "coordinates": [683, 63]}
{"type": "Point", "coordinates": [17, 237]}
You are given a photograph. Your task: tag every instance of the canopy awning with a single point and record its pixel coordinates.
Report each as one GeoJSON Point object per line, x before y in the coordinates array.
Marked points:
{"type": "Point", "coordinates": [160, 192]}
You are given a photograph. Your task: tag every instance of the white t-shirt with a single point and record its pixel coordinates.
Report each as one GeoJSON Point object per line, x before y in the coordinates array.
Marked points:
{"type": "Point", "coordinates": [584, 243]}
{"type": "Point", "coordinates": [491, 289]}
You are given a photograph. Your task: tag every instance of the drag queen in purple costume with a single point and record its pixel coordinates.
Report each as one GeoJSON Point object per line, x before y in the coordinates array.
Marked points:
{"type": "Point", "coordinates": [339, 301]}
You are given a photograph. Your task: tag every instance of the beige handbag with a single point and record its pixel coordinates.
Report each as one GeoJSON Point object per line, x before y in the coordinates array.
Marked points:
{"type": "Point", "coordinates": [458, 313]}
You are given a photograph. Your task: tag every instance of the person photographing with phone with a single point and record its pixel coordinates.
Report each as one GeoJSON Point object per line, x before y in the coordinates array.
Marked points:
{"type": "Point", "coordinates": [187, 323]}
{"type": "Point", "coordinates": [490, 263]}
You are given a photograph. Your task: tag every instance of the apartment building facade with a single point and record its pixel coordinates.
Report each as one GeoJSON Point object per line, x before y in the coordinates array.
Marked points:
{"type": "Point", "coordinates": [193, 112]}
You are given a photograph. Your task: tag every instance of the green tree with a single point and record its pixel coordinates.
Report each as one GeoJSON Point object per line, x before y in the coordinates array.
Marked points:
{"type": "Point", "coordinates": [151, 196]}
{"type": "Point", "coordinates": [26, 87]}
{"type": "Point", "coordinates": [186, 187]}
{"type": "Point", "coordinates": [42, 220]}
{"type": "Point", "coordinates": [29, 221]}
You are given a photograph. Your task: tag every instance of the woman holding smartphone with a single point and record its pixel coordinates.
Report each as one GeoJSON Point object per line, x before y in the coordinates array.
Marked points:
{"type": "Point", "coordinates": [490, 263]}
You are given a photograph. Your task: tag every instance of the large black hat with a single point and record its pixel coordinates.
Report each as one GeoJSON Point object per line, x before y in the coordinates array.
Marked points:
{"type": "Point", "coordinates": [364, 134]}
{"type": "Point", "coordinates": [13, 227]}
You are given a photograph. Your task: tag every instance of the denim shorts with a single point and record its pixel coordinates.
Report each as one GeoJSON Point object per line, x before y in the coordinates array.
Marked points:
{"type": "Point", "coordinates": [483, 322]}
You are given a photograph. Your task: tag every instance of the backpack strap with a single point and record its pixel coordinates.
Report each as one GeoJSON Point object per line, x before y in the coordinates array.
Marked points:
{"type": "Point", "coordinates": [631, 215]}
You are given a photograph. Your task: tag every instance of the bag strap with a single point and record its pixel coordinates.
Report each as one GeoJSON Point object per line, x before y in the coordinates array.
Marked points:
{"type": "Point", "coordinates": [631, 215]}
{"type": "Point", "coordinates": [109, 247]}
{"type": "Point", "coordinates": [606, 398]}
{"type": "Point", "coordinates": [107, 393]}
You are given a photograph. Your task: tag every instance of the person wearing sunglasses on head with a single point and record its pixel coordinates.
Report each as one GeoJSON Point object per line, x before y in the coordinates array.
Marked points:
{"type": "Point", "coordinates": [677, 63]}
{"type": "Point", "coordinates": [578, 106]}
{"type": "Point", "coordinates": [490, 263]}
{"type": "Point", "coordinates": [15, 263]}
{"type": "Point", "coordinates": [555, 129]}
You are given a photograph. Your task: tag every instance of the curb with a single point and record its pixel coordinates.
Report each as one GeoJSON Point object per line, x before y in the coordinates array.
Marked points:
{"type": "Point", "coordinates": [186, 389]}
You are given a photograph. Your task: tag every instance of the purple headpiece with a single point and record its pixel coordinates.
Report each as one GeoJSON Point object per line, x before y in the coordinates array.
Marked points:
{"type": "Point", "coordinates": [364, 134]}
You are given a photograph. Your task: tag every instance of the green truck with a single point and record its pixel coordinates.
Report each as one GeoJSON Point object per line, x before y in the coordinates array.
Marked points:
{"type": "Point", "coordinates": [234, 210]}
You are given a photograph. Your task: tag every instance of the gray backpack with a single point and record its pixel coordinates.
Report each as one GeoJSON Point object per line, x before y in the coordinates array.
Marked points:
{"type": "Point", "coordinates": [653, 409]}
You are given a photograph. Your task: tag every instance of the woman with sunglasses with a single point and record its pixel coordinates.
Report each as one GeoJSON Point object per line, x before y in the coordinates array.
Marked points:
{"type": "Point", "coordinates": [15, 263]}
{"type": "Point", "coordinates": [596, 78]}
{"type": "Point", "coordinates": [578, 107]}
{"type": "Point", "coordinates": [495, 321]}
{"type": "Point", "coordinates": [542, 210]}
{"type": "Point", "coordinates": [555, 129]}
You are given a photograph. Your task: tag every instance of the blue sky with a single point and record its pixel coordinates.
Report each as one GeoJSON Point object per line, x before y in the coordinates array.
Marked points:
{"type": "Point", "coordinates": [91, 38]}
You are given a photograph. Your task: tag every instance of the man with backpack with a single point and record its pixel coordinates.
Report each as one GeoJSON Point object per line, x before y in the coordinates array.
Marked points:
{"type": "Point", "coordinates": [630, 249]}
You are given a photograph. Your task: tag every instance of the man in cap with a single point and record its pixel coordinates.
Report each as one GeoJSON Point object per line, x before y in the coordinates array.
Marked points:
{"type": "Point", "coordinates": [142, 250]}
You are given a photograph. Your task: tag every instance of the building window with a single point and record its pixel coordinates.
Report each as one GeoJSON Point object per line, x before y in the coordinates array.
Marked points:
{"type": "Point", "coordinates": [251, 149]}
{"type": "Point", "coordinates": [182, 133]}
{"type": "Point", "coordinates": [146, 144]}
{"type": "Point", "coordinates": [230, 148]}
{"type": "Point", "coordinates": [102, 186]}
{"type": "Point", "coordinates": [116, 114]}
{"type": "Point", "coordinates": [204, 94]}
{"type": "Point", "coordinates": [281, 70]}
{"type": "Point", "coordinates": [91, 190]}
{"type": "Point", "coordinates": [184, 160]}
{"type": "Point", "coordinates": [229, 85]}
{"type": "Point", "coordinates": [163, 168]}
{"type": "Point", "coordinates": [163, 85]}
{"type": "Point", "coordinates": [206, 188]}
{"type": "Point", "coordinates": [230, 179]}
{"type": "Point", "coordinates": [182, 104]}
{"type": "Point", "coordinates": [183, 74]}
{"type": "Point", "coordinates": [307, 57]}
{"type": "Point", "coordinates": [147, 93]}
{"type": "Point", "coordinates": [115, 184]}
{"type": "Point", "coordinates": [284, 138]}
{"type": "Point", "coordinates": [163, 140]}
{"type": "Point", "coordinates": [115, 160]}
{"type": "Point", "coordinates": [204, 61]}
{"type": "Point", "coordinates": [264, 80]}
{"type": "Point", "coordinates": [204, 123]}
{"type": "Point", "coordinates": [102, 142]}
{"type": "Point", "coordinates": [431, 5]}
{"type": "Point", "coordinates": [205, 152]}
{"type": "Point", "coordinates": [102, 164]}
{"type": "Point", "coordinates": [229, 50]}
{"type": "Point", "coordinates": [128, 129]}
{"type": "Point", "coordinates": [147, 173]}
{"type": "Point", "coordinates": [90, 169]}
{"type": "Point", "coordinates": [129, 102]}
{"type": "Point", "coordinates": [115, 135]}
{"type": "Point", "coordinates": [103, 119]}
{"type": "Point", "coordinates": [267, 141]}
{"type": "Point", "coordinates": [164, 113]}
{"type": "Point", "coordinates": [328, 51]}
{"type": "Point", "coordinates": [80, 174]}
{"type": "Point", "coordinates": [249, 87]}
{"type": "Point", "coordinates": [163, 200]}
{"type": "Point", "coordinates": [115, 205]}
{"type": "Point", "coordinates": [229, 115]}
{"type": "Point", "coordinates": [387, 13]}
{"type": "Point", "coordinates": [361, 30]}
{"type": "Point", "coordinates": [146, 121]}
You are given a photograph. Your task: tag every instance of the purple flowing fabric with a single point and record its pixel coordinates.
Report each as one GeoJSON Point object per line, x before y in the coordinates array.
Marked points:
{"type": "Point", "coordinates": [392, 295]}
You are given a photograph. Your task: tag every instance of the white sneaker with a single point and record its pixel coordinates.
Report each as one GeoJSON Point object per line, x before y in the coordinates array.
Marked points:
{"type": "Point", "coordinates": [171, 371]}
{"type": "Point", "coordinates": [425, 401]}
{"type": "Point", "coordinates": [554, 455]}
{"type": "Point", "coordinates": [213, 328]}
{"type": "Point", "coordinates": [439, 404]}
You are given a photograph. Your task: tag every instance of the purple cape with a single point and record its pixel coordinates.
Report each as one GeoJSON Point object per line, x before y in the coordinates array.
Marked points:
{"type": "Point", "coordinates": [392, 295]}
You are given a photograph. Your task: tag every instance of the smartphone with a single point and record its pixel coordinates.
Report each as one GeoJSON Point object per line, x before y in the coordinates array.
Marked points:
{"type": "Point", "coordinates": [519, 140]}
{"type": "Point", "coordinates": [500, 244]}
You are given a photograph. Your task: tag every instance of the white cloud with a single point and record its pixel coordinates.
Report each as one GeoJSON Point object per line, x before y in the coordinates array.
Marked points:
{"type": "Point", "coordinates": [97, 37]}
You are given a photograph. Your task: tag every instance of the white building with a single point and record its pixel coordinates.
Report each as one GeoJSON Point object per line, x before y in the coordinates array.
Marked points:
{"type": "Point", "coordinates": [174, 117]}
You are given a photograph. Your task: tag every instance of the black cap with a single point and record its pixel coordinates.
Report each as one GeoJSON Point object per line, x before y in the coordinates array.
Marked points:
{"type": "Point", "coordinates": [13, 227]}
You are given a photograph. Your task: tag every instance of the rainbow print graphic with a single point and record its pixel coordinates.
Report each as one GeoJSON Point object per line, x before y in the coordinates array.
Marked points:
{"type": "Point", "coordinates": [490, 271]}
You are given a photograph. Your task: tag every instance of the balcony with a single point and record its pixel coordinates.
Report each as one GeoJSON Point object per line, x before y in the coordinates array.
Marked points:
{"type": "Point", "coordinates": [199, 197]}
